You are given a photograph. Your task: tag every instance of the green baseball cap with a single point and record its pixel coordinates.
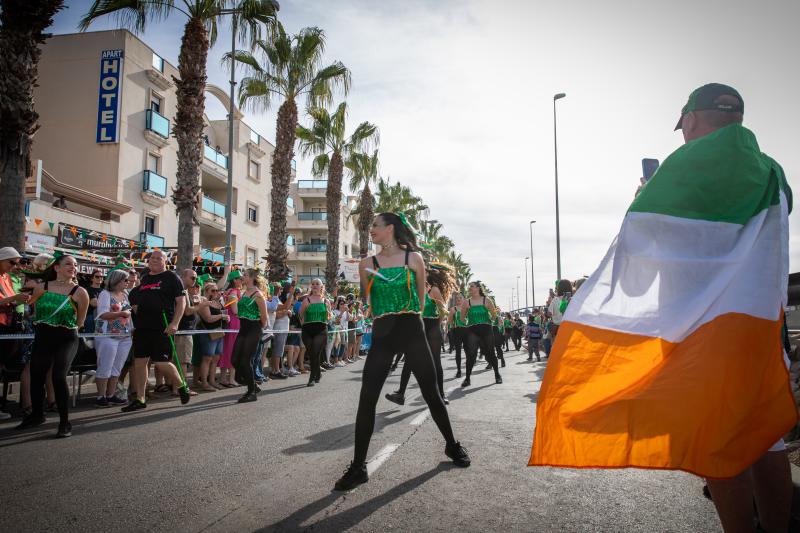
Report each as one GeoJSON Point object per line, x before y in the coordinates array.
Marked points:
{"type": "Point", "coordinates": [705, 98]}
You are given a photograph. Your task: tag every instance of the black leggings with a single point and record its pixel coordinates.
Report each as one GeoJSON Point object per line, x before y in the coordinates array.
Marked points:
{"type": "Point", "coordinates": [434, 336]}
{"type": "Point", "coordinates": [243, 350]}
{"type": "Point", "coordinates": [52, 347]}
{"type": "Point", "coordinates": [459, 338]}
{"type": "Point", "coordinates": [498, 343]}
{"type": "Point", "coordinates": [393, 334]}
{"type": "Point", "coordinates": [315, 337]}
{"type": "Point", "coordinates": [480, 335]}
{"type": "Point", "coordinates": [516, 337]}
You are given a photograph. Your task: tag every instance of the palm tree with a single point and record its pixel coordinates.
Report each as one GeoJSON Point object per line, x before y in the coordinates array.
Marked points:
{"type": "Point", "coordinates": [199, 34]}
{"type": "Point", "coordinates": [326, 139]}
{"type": "Point", "coordinates": [364, 171]}
{"type": "Point", "coordinates": [290, 69]}
{"type": "Point", "coordinates": [397, 198]}
{"type": "Point", "coordinates": [22, 25]}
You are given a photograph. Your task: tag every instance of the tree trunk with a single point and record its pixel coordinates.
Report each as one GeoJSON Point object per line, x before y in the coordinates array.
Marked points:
{"type": "Point", "coordinates": [188, 130]}
{"type": "Point", "coordinates": [365, 217]}
{"type": "Point", "coordinates": [281, 178]}
{"type": "Point", "coordinates": [334, 197]}
{"type": "Point", "coordinates": [21, 25]}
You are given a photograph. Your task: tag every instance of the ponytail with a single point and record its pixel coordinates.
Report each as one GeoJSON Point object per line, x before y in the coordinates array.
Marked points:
{"type": "Point", "coordinates": [403, 234]}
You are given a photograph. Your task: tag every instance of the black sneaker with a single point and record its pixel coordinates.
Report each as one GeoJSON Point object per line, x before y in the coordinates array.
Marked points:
{"type": "Point", "coordinates": [258, 389]}
{"type": "Point", "coordinates": [396, 397]}
{"type": "Point", "coordinates": [316, 380]}
{"type": "Point", "coordinates": [488, 367]}
{"type": "Point", "coordinates": [458, 454]}
{"type": "Point", "coordinates": [183, 392]}
{"type": "Point", "coordinates": [31, 421]}
{"type": "Point", "coordinates": [64, 431]}
{"type": "Point", "coordinates": [498, 379]}
{"type": "Point", "coordinates": [503, 363]}
{"type": "Point", "coordinates": [458, 374]}
{"type": "Point", "coordinates": [310, 383]}
{"type": "Point", "coordinates": [465, 383]}
{"type": "Point", "coordinates": [114, 400]}
{"type": "Point", "coordinates": [445, 400]}
{"type": "Point", "coordinates": [135, 405]}
{"type": "Point", "coordinates": [354, 476]}
{"type": "Point", "coordinates": [101, 402]}
{"type": "Point", "coordinates": [277, 375]}
{"type": "Point", "coordinates": [248, 397]}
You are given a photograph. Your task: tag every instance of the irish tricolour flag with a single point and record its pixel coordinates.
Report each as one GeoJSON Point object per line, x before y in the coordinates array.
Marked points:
{"type": "Point", "coordinates": [670, 355]}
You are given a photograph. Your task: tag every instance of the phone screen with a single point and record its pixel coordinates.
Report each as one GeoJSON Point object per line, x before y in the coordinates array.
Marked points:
{"type": "Point", "coordinates": [649, 167]}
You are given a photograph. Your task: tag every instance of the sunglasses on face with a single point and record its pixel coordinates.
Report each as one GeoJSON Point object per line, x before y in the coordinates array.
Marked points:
{"type": "Point", "coordinates": [98, 277]}
{"type": "Point", "coordinates": [12, 262]}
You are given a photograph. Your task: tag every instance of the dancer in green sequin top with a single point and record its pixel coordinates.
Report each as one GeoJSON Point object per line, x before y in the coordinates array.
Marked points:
{"type": "Point", "coordinates": [60, 309]}
{"type": "Point", "coordinates": [480, 313]}
{"type": "Point", "coordinates": [253, 318]}
{"type": "Point", "coordinates": [393, 284]}
{"type": "Point", "coordinates": [314, 314]}
{"type": "Point", "coordinates": [458, 329]}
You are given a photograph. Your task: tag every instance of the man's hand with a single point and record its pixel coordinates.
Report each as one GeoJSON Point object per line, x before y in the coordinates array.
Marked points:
{"type": "Point", "coordinates": [21, 298]}
{"type": "Point", "coordinates": [171, 329]}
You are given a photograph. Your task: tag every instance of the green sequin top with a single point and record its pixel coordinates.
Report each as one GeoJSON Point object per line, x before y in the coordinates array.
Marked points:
{"type": "Point", "coordinates": [316, 312]}
{"type": "Point", "coordinates": [47, 304]}
{"type": "Point", "coordinates": [507, 324]}
{"type": "Point", "coordinates": [478, 314]}
{"type": "Point", "coordinates": [248, 309]}
{"type": "Point", "coordinates": [459, 323]}
{"type": "Point", "coordinates": [431, 309]}
{"type": "Point", "coordinates": [391, 295]}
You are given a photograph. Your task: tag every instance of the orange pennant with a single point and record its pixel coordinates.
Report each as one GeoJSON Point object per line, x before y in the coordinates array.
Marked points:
{"type": "Point", "coordinates": [37, 221]}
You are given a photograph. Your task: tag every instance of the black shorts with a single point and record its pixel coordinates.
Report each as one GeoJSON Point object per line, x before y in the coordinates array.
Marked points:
{"type": "Point", "coordinates": [153, 344]}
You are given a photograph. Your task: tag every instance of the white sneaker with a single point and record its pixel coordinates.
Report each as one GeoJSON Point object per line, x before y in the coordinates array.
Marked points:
{"type": "Point", "coordinates": [295, 372]}
{"type": "Point", "coordinates": [340, 364]}
{"type": "Point", "coordinates": [4, 416]}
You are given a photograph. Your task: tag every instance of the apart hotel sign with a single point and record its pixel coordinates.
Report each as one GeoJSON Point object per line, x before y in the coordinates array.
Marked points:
{"type": "Point", "coordinates": [109, 102]}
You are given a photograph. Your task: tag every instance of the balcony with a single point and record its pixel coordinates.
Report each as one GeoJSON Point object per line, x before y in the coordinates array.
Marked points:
{"type": "Point", "coordinates": [306, 280]}
{"type": "Point", "coordinates": [156, 128]}
{"type": "Point", "coordinates": [152, 241]}
{"type": "Point", "coordinates": [307, 220]}
{"type": "Point", "coordinates": [312, 248]}
{"type": "Point", "coordinates": [312, 188]}
{"type": "Point", "coordinates": [254, 145]}
{"type": "Point", "coordinates": [214, 257]}
{"type": "Point", "coordinates": [312, 215]}
{"type": "Point", "coordinates": [215, 157]}
{"type": "Point", "coordinates": [212, 213]}
{"type": "Point", "coordinates": [308, 252]}
{"type": "Point", "coordinates": [154, 188]}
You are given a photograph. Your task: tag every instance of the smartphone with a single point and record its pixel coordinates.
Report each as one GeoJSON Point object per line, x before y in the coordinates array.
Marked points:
{"type": "Point", "coordinates": [649, 167]}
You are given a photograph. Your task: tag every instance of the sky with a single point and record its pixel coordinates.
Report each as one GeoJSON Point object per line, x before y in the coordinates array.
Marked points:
{"type": "Point", "coordinates": [462, 91]}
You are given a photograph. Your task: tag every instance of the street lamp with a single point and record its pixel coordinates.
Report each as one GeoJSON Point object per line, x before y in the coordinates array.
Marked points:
{"type": "Point", "coordinates": [512, 298]}
{"type": "Point", "coordinates": [517, 292]}
{"type": "Point", "coordinates": [533, 291]}
{"type": "Point", "coordinates": [526, 282]}
{"type": "Point", "coordinates": [557, 97]}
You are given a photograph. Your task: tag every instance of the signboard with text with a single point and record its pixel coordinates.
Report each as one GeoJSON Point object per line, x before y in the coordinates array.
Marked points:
{"type": "Point", "coordinates": [108, 106]}
{"type": "Point", "coordinates": [83, 238]}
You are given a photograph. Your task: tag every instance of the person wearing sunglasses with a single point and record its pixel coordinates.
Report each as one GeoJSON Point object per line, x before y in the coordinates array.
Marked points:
{"type": "Point", "coordinates": [94, 289]}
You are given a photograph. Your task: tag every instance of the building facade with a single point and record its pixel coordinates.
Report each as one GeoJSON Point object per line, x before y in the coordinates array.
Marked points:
{"type": "Point", "coordinates": [308, 233]}
{"type": "Point", "coordinates": [107, 105]}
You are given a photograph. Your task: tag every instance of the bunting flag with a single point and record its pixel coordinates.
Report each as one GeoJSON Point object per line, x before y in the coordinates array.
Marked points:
{"type": "Point", "coordinates": [104, 237]}
{"type": "Point", "coordinates": [73, 230]}
{"type": "Point", "coordinates": [670, 355]}
{"type": "Point", "coordinates": [37, 221]}
{"type": "Point", "coordinates": [51, 224]}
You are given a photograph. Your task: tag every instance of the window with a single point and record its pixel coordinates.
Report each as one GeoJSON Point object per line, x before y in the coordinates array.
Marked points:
{"type": "Point", "coordinates": [150, 224]}
{"type": "Point", "coordinates": [316, 272]}
{"type": "Point", "coordinates": [346, 250]}
{"type": "Point", "coordinates": [156, 102]}
{"type": "Point", "coordinates": [250, 259]}
{"type": "Point", "coordinates": [158, 62]}
{"type": "Point", "coordinates": [255, 170]}
{"type": "Point", "coordinates": [255, 138]}
{"type": "Point", "coordinates": [153, 163]}
{"type": "Point", "coordinates": [290, 240]}
{"type": "Point", "coordinates": [252, 213]}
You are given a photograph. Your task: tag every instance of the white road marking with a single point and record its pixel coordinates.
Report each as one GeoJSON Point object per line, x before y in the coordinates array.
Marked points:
{"type": "Point", "coordinates": [423, 416]}
{"type": "Point", "coordinates": [379, 458]}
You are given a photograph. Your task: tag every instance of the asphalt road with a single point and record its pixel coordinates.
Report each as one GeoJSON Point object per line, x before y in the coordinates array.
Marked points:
{"type": "Point", "coordinates": [214, 465]}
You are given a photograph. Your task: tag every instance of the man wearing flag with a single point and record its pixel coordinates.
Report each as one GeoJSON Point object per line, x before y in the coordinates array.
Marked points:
{"type": "Point", "coordinates": [671, 356]}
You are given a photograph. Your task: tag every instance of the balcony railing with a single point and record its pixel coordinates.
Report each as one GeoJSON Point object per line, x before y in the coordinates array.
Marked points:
{"type": "Point", "coordinates": [157, 123]}
{"type": "Point", "coordinates": [158, 62]}
{"type": "Point", "coordinates": [214, 257]}
{"type": "Point", "coordinates": [312, 215]}
{"type": "Point", "coordinates": [214, 156]}
{"type": "Point", "coordinates": [214, 207]}
{"type": "Point", "coordinates": [155, 183]}
{"type": "Point", "coordinates": [312, 184]}
{"type": "Point", "coordinates": [152, 241]}
{"type": "Point", "coordinates": [306, 280]}
{"type": "Point", "coordinates": [255, 138]}
{"type": "Point", "coordinates": [313, 248]}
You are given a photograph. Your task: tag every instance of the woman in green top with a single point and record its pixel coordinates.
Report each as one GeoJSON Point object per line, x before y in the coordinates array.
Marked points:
{"type": "Point", "coordinates": [497, 332]}
{"type": "Point", "coordinates": [439, 284]}
{"type": "Point", "coordinates": [252, 311]}
{"type": "Point", "coordinates": [480, 313]}
{"type": "Point", "coordinates": [459, 328]}
{"type": "Point", "coordinates": [394, 284]}
{"type": "Point", "coordinates": [314, 314]}
{"type": "Point", "coordinates": [60, 309]}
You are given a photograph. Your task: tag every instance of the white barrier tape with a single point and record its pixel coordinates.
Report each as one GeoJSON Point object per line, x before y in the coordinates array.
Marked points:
{"type": "Point", "coordinates": [14, 336]}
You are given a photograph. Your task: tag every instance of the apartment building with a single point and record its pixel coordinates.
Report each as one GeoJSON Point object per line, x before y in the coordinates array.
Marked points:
{"type": "Point", "coordinates": [308, 233]}
{"type": "Point", "coordinates": [107, 106]}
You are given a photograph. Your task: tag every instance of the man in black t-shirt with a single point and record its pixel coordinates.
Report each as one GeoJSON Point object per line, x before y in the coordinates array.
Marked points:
{"type": "Point", "coordinates": [159, 294]}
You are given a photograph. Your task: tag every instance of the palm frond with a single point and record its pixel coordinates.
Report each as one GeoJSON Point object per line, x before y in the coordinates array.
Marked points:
{"type": "Point", "coordinates": [131, 14]}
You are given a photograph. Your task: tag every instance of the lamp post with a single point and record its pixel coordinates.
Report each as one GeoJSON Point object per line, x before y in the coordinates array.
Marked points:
{"type": "Point", "coordinates": [533, 291]}
{"type": "Point", "coordinates": [557, 97]}
{"type": "Point", "coordinates": [512, 298]}
{"type": "Point", "coordinates": [517, 292]}
{"type": "Point", "coordinates": [526, 282]}
{"type": "Point", "coordinates": [229, 201]}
